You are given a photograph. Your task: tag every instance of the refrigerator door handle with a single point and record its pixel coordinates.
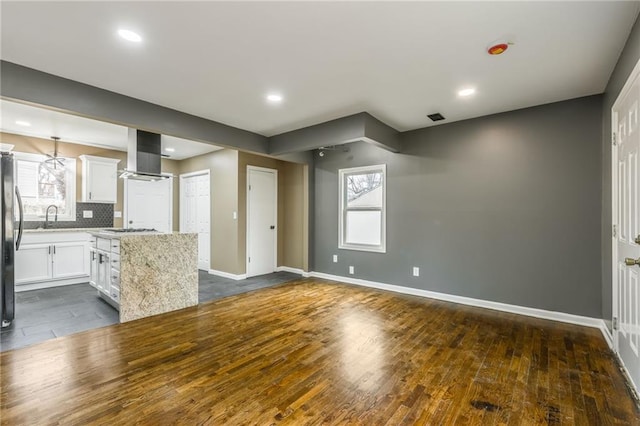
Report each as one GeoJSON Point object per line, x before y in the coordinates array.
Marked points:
{"type": "Point", "coordinates": [21, 223]}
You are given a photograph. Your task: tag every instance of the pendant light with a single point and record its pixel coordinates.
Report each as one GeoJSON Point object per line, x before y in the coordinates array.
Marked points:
{"type": "Point", "coordinates": [54, 160]}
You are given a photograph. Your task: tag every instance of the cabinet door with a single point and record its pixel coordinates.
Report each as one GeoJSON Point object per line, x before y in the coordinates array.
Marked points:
{"type": "Point", "coordinates": [33, 263]}
{"type": "Point", "coordinates": [102, 181]}
{"type": "Point", "coordinates": [93, 267]}
{"type": "Point", "coordinates": [70, 260]}
{"type": "Point", "coordinates": [103, 282]}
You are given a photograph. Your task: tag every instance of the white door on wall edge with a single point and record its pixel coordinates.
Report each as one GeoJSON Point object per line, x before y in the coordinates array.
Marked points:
{"type": "Point", "coordinates": [195, 213]}
{"type": "Point", "coordinates": [149, 204]}
{"type": "Point", "coordinates": [261, 220]}
{"type": "Point", "coordinates": [626, 219]}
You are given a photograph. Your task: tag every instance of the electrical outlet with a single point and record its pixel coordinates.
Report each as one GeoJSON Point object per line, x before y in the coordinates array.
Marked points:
{"type": "Point", "coordinates": [335, 258]}
{"type": "Point", "coordinates": [352, 270]}
{"type": "Point", "coordinates": [87, 214]}
{"type": "Point", "coordinates": [416, 271]}
{"type": "Point", "coordinates": [117, 214]}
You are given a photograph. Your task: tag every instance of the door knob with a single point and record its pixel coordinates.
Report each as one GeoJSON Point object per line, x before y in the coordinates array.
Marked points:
{"type": "Point", "coordinates": [630, 261]}
{"type": "Point", "coordinates": [637, 240]}
{"type": "Point", "coordinates": [130, 222]}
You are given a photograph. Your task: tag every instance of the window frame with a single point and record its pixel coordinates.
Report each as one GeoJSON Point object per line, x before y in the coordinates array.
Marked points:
{"type": "Point", "coordinates": [343, 209]}
{"type": "Point", "coordinates": [70, 170]}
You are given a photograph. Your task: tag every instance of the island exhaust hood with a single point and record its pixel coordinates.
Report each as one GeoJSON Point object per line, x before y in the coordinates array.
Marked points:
{"type": "Point", "coordinates": [144, 157]}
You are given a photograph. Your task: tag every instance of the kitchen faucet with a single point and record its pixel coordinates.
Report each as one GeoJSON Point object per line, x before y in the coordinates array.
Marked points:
{"type": "Point", "coordinates": [46, 217]}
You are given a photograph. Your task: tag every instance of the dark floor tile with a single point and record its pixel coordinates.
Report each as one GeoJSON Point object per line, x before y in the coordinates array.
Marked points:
{"type": "Point", "coordinates": [21, 342]}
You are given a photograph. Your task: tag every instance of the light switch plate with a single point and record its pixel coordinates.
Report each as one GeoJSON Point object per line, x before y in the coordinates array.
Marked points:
{"type": "Point", "coordinates": [87, 214]}
{"type": "Point", "coordinates": [416, 271]}
{"type": "Point", "coordinates": [235, 215]}
{"type": "Point", "coordinates": [335, 258]}
{"type": "Point", "coordinates": [351, 270]}
{"type": "Point", "coordinates": [117, 214]}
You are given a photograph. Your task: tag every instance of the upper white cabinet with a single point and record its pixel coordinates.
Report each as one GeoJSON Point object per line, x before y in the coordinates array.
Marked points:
{"type": "Point", "coordinates": [99, 179]}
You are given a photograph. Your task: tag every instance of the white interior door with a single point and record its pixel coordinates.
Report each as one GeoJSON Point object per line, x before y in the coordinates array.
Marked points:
{"type": "Point", "coordinates": [149, 204]}
{"type": "Point", "coordinates": [195, 214]}
{"type": "Point", "coordinates": [627, 215]}
{"type": "Point", "coordinates": [261, 220]}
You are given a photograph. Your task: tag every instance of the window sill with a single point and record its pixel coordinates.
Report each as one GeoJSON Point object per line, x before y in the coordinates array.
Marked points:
{"type": "Point", "coordinates": [370, 249]}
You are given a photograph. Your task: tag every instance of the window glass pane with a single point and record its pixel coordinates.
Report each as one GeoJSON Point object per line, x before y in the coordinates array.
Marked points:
{"type": "Point", "coordinates": [27, 178]}
{"type": "Point", "coordinates": [41, 184]}
{"type": "Point", "coordinates": [363, 227]}
{"type": "Point", "coordinates": [364, 190]}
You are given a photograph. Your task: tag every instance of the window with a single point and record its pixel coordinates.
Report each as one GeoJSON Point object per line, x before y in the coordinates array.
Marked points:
{"type": "Point", "coordinates": [43, 183]}
{"type": "Point", "coordinates": [362, 208]}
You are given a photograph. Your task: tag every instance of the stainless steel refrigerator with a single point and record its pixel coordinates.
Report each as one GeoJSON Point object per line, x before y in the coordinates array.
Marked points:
{"type": "Point", "coordinates": [10, 241]}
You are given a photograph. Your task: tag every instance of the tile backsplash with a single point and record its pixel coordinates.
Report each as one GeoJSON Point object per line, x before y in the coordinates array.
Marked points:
{"type": "Point", "coordinates": [102, 218]}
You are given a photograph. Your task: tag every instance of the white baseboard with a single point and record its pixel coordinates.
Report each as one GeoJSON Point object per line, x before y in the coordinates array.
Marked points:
{"type": "Point", "coordinates": [49, 284]}
{"type": "Point", "coordinates": [497, 306]}
{"type": "Point", "coordinates": [607, 335]}
{"type": "Point", "coordinates": [228, 275]}
{"type": "Point", "coordinates": [292, 270]}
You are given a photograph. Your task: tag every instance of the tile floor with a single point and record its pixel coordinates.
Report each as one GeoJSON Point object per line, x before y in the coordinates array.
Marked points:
{"type": "Point", "coordinates": [53, 312]}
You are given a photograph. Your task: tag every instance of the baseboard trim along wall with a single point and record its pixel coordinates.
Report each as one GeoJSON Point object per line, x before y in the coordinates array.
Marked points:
{"type": "Point", "coordinates": [49, 284]}
{"type": "Point", "coordinates": [292, 270]}
{"type": "Point", "coordinates": [497, 306]}
{"type": "Point", "coordinates": [228, 275]}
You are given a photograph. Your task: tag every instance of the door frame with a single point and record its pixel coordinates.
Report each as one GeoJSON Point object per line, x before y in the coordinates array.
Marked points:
{"type": "Point", "coordinates": [125, 213]}
{"type": "Point", "coordinates": [614, 202]}
{"type": "Point", "coordinates": [182, 177]}
{"type": "Point", "coordinates": [275, 214]}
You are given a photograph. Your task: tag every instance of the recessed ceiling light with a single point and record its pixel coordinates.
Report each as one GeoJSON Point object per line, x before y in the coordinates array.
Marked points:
{"type": "Point", "coordinates": [466, 92]}
{"type": "Point", "coordinates": [130, 35]}
{"type": "Point", "coordinates": [274, 98]}
{"type": "Point", "coordinates": [170, 149]}
{"type": "Point", "coordinates": [23, 123]}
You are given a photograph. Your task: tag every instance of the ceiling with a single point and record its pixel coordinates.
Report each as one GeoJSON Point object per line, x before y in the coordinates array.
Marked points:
{"type": "Point", "coordinates": [399, 61]}
{"type": "Point", "coordinates": [45, 123]}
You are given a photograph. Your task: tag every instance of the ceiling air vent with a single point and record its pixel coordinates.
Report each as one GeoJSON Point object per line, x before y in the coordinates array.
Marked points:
{"type": "Point", "coordinates": [436, 117]}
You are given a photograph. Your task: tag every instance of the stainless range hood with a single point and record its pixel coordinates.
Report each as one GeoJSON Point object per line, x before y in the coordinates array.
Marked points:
{"type": "Point", "coordinates": [144, 157]}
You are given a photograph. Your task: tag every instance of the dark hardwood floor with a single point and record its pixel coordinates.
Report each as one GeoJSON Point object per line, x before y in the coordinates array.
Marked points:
{"type": "Point", "coordinates": [312, 352]}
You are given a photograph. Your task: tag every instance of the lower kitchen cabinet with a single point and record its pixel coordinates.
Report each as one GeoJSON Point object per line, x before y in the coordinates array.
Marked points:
{"type": "Point", "coordinates": [53, 257]}
{"type": "Point", "coordinates": [93, 267]}
{"type": "Point", "coordinates": [105, 268]}
{"type": "Point", "coordinates": [69, 260]}
{"type": "Point", "coordinates": [33, 263]}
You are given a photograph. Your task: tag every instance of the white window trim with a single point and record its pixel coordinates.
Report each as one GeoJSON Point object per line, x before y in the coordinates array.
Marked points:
{"type": "Point", "coordinates": [70, 165]}
{"type": "Point", "coordinates": [382, 248]}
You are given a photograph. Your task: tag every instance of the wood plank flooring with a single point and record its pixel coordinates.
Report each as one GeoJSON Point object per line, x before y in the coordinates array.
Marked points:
{"type": "Point", "coordinates": [316, 352]}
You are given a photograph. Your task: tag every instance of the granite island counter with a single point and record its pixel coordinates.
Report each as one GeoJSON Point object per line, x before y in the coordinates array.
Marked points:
{"type": "Point", "coordinates": [144, 274]}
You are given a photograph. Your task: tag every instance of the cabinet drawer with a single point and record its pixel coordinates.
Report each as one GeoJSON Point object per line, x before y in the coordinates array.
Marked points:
{"type": "Point", "coordinates": [115, 294]}
{"type": "Point", "coordinates": [115, 246]}
{"type": "Point", "coordinates": [104, 244]}
{"type": "Point", "coordinates": [115, 261]}
{"type": "Point", "coordinates": [115, 278]}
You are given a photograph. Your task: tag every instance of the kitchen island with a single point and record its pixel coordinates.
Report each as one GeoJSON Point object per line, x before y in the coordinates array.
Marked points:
{"type": "Point", "coordinates": [144, 274]}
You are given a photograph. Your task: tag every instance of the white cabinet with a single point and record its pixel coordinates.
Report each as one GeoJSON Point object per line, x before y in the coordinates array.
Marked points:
{"type": "Point", "coordinates": [103, 273]}
{"type": "Point", "coordinates": [69, 259]}
{"type": "Point", "coordinates": [33, 263]}
{"type": "Point", "coordinates": [99, 179]}
{"type": "Point", "coordinates": [93, 267]}
{"type": "Point", "coordinates": [52, 257]}
{"type": "Point", "coordinates": [107, 269]}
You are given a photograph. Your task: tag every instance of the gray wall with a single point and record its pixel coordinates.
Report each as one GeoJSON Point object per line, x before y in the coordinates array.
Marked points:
{"type": "Point", "coordinates": [503, 208]}
{"type": "Point", "coordinates": [628, 59]}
